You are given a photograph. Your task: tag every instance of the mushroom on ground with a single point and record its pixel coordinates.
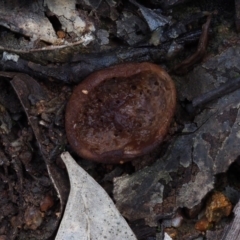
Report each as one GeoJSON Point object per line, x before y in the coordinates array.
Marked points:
{"type": "Point", "coordinates": [120, 113]}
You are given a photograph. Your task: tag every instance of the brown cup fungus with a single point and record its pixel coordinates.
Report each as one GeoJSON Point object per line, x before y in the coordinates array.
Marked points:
{"type": "Point", "coordinates": [120, 113]}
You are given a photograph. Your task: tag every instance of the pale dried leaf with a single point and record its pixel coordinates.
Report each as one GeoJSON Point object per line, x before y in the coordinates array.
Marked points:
{"type": "Point", "coordinates": [90, 213]}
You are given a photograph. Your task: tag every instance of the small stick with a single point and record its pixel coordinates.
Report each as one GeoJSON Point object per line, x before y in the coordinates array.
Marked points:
{"type": "Point", "coordinates": [213, 94]}
{"type": "Point", "coordinates": [184, 66]}
{"type": "Point", "coordinates": [224, 89]}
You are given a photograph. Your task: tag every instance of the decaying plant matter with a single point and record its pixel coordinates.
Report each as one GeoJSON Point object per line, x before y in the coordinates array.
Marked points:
{"type": "Point", "coordinates": [47, 49]}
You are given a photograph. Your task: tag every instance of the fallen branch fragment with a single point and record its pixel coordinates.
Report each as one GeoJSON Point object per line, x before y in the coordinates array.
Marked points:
{"type": "Point", "coordinates": [214, 94]}
{"type": "Point", "coordinates": [184, 66]}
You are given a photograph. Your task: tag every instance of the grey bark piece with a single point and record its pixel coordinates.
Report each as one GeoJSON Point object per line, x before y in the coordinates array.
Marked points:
{"type": "Point", "coordinates": [141, 194]}
{"type": "Point", "coordinates": [69, 17]}
{"type": "Point", "coordinates": [214, 235]}
{"type": "Point", "coordinates": [153, 18]}
{"type": "Point", "coordinates": [28, 23]}
{"type": "Point", "coordinates": [232, 232]}
{"type": "Point", "coordinates": [192, 159]}
{"type": "Point", "coordinates": [126, 28]}
{"type": "Point", "coordinates": [103, 36]}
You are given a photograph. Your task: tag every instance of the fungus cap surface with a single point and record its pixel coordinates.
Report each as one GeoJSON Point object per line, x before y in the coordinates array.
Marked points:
{"type": "Point", "coordinates": [121, 112]}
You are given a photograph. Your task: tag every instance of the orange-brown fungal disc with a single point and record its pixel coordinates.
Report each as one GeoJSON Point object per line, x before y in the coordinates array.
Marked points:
{"type": "Point", "coordinates": [121, 112]}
